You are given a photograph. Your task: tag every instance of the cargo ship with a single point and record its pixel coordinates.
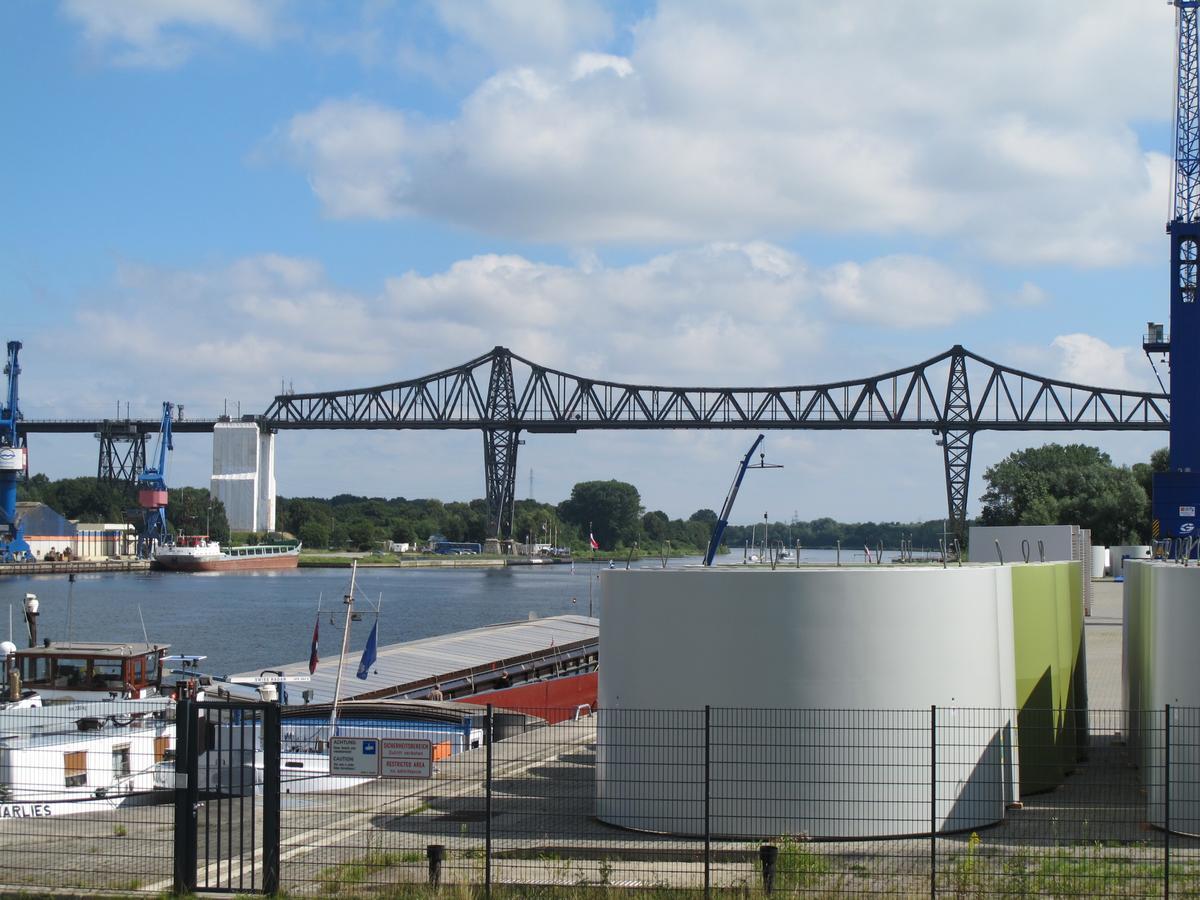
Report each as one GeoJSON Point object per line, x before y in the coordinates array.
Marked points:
{"type": "Point", "coordinates": [199, 554]}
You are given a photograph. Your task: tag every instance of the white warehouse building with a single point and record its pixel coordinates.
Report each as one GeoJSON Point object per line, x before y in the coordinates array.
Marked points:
{"type": "Point", "coordinates": [244, 475]}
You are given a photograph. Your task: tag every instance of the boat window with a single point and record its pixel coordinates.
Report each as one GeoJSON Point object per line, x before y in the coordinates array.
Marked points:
{"type": "Point", "coordinates": [69, 672]}
{"type": "Point", "coordinates": [107, 675]}
{"type": "Point", "coordinates": [120, 761]}
{"type": "Point", "coordinates": [35, 670]}
{"type": "Point", "coordinates": [75, 768]}
{"type": "Point", "coordinates": [139, 671]}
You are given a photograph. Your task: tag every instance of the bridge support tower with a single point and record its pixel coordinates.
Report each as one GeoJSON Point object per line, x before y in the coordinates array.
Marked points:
{"type": "Point", "coordinates": [122, 453]}
{"type": "Point", "coordinates": [500, 447]}
{"type": "Point", "coordinates": [244, 475]}
{"type": "Point", "coordinates": [957, 440]}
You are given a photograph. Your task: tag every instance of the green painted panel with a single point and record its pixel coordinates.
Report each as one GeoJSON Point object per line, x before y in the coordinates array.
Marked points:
{"type": "Point", "coordinates": [1048, 653]}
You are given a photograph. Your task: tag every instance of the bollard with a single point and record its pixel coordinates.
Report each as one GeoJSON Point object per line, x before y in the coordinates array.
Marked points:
{"type": "Point", "coordinates": [768, 855]}
{"type": "Point", "coordinates": [435, 853]}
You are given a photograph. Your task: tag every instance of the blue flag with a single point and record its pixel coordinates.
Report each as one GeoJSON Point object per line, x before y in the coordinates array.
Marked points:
{"type": "Point", "coordinates": [369, 654]}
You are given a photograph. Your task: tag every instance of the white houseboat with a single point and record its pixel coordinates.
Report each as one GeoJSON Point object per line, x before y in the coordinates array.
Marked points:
{"type": "Point", "coordinates": [82, 757]}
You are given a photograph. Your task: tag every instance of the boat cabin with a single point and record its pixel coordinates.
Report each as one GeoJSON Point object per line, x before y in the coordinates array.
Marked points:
{"type": "Point", "coordinates": [192, 540]}
{"type": "Point", "coordinates": [95, 670]}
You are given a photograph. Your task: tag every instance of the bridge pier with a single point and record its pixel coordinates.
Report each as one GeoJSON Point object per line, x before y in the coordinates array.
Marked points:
{"type": "Point", "coordinates": [500, 467]}
{"type": "Point", "coordinates": [122, 452]}
{"type": "Point", "coordinates": [244, 475]}
{"type": "Point", "coordinates": [957, 440]}
{"type": "Point", "coordinates": [500, 446]}
{"type": "Point", "coordinates": [956, 452]}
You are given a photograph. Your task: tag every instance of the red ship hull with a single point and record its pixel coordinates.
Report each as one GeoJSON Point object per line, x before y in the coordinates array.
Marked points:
{"type": "Point", "coordinates": [228, 564]}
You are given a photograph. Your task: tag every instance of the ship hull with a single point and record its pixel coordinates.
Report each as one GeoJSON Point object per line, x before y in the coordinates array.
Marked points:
{"type": "Point", "coordinates": [227, 564]}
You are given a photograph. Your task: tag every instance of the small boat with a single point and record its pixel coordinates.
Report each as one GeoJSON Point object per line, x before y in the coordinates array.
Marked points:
{"type": "Point", "coordinates": [196, 553]}
{"type": "Point", "coordinates": [80, 671]}
{"type": "Point", "coordinates": [85, 757]}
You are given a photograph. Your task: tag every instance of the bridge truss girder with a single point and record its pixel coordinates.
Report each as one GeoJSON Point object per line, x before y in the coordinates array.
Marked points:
{"type": "Point", "coordinates": [955, 394]}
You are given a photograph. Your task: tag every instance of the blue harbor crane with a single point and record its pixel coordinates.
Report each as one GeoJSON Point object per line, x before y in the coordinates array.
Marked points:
{"type": "Point", "coordinates": [13, 462]}
{"type": "Point", "coordinates": [714, 542]}
{"type": "Point", "coordinates": [1177, 491]}
{"type": "Point", "coordinates": [152, 492]}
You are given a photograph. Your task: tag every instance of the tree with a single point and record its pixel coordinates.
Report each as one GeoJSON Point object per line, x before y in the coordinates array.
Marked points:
{"type": "Point", "coordinates": [656, 526]}
{"type": "Point", "coordinates": [609, 508]}
{"type": "Point", "coordinates": [314, 534]}
{"type": "Point", "coordinates": [361, 534]}
{"type": "Point", "coordinates": [1066, 485]}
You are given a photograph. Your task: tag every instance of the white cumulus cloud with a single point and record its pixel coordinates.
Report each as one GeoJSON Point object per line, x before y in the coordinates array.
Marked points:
{"type": "Point", "coordinates": [164, 33]}
{"type": "Point", "coordinates": [750, 313]}
{"type": "Point", "coordinates": [1086, 359]}
{"type": "Point", "coordinates": [517, 30]}
{"type": "Point", "coordinates": [748, 120]}
{"type": "Point", "coordinates": [902, 291]}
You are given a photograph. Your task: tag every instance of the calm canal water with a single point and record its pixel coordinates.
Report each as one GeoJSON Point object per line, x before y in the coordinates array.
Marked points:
{"type": "Point", "coordinates": [250, 621]}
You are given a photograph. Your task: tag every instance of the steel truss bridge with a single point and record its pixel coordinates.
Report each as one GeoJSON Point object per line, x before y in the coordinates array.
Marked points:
{"type": "Point", "coordinates": [954, 394]}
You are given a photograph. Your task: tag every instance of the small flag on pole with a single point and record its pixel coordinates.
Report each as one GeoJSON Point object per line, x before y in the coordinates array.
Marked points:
{"type": "Point", "coordinates": [312, 654]}
{"type": "Point", "coordinates": [369, 654]}
{"type": "Point", "coordinates": [592, 541]}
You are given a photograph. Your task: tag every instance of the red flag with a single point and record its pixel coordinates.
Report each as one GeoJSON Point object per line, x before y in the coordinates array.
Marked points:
{"type": "Point", "coordinates": [592, 541]}
{"type": "Point", "coordinates": [312, 654]}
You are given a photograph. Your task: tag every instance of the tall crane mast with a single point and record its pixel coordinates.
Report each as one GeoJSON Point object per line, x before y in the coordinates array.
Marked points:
{"type": "Point", "coordinates": [1177, 491]}
{"type": "Point", "coordinates": [152, 492]}
{"type": "Point", "coordinates": [13, 461]}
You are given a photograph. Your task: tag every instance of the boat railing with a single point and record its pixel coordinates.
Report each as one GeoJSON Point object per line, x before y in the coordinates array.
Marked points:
{"type": "Point", "coordinates": [579, 711]}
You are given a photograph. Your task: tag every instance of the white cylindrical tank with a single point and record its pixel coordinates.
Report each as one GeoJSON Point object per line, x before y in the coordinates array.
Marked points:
{"type": "Point", "coordinates": [1122, 554]}
{"type": "Point", "coordinates": [820, 684]}
{"type": "Point", "coordinates": [1162, 619]}
{"type": "Point", "coordinates": [1099, 561]}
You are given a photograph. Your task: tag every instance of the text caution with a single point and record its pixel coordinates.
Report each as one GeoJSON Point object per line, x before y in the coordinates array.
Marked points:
{"type": "Point", "coordinates": [354, 756]}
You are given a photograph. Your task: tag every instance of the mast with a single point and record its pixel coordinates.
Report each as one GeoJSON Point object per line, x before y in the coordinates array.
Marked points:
{"type": "Point", "coordinates": [348, 600]}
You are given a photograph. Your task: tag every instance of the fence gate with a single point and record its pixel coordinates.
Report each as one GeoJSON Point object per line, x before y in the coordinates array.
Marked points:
{"type": "Point", "coordinates": [227, 797]}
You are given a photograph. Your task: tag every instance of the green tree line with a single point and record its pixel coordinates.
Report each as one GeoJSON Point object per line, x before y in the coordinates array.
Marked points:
{"type": "Point", "coordinates": [189, 510]}
{"type": "Point", "coordinates": [1049, 485]}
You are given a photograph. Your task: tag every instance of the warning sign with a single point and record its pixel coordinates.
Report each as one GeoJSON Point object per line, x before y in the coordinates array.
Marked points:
{"type": "Point", "coordinates": [354, 756]}
{"type": "Point", "coordinates": [406, 758]}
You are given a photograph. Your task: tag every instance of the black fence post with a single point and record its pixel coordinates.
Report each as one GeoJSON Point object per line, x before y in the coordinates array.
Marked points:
{"type": "Point", "coordinates": [1167, 801]}
{"type": "Point", "coordinates": [487, 828]}
{"type": "Point", "coordinates": [933, 801]}
{"type": "Point", "coordinates": [271, 796]}
{"type": "Point", "coordinates": [185, 810]}
{"type": "Point", "coordinates": [707, 801]}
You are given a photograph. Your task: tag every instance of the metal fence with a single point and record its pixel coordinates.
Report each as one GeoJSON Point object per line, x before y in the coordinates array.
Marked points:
{"type": "Point", "coordinates": [735, 802]}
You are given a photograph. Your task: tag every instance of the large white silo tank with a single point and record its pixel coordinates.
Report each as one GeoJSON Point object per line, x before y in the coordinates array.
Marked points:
{"type": "Point", "coordinates": [1121, 555]}
{"type": "Point", "coordinates": [820, 684]}
{"type": "Point", "coordinates": [1161, 670]}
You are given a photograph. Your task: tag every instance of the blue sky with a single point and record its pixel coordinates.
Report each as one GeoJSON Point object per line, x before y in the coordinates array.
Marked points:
{"type": "Point", "coordinates": [206, 197]}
